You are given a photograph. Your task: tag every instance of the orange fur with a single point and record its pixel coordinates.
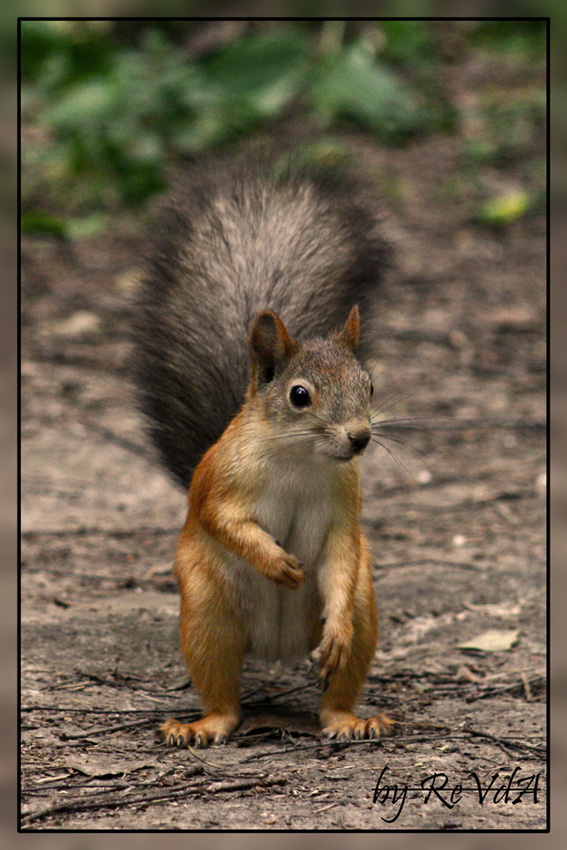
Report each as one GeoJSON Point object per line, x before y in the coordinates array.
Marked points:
{"type": "Point", "coordinates": [228, 565]}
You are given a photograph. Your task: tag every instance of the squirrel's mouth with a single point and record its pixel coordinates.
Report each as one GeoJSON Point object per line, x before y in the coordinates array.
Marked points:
{"type": "Point", "coordinates": [340, 451]}
{"type": "Point", "coordinates": [343, 457]}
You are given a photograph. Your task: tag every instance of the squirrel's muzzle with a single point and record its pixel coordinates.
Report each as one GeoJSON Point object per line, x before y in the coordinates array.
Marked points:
{"type": "Point", "coordinates": [359, 437]}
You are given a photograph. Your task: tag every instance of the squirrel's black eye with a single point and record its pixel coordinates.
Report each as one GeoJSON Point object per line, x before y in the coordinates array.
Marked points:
{"type": "Point", "coordinates": [371, 389]}
{"type": "Point", "coordinates": [299, 396]}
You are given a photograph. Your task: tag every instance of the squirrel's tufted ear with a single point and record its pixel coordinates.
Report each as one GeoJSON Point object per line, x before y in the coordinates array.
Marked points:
{"type": "Point", "coordinates": [270, 346]}
{"type": "Point", "coordinates": [350, 333]}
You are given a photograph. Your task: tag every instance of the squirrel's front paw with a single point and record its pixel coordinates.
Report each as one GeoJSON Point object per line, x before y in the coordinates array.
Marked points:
{"type": "Point", "coordinates": [332, 653]}
{"type": "Point", "coordinates": [288, 571]}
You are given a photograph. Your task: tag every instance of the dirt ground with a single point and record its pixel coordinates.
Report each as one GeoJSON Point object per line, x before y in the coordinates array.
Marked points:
{"type": "Point", "coordinates": [456, 524]}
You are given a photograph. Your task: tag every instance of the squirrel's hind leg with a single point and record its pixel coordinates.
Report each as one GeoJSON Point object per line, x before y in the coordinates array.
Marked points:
{"type": "Point", "coordinates": [213, 642]}
{"type": "Point", "coordinates": [338, 719]}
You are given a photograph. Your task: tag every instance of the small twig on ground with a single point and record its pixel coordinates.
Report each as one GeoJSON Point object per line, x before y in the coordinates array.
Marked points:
{"type": "Point", "coordinates": [504, 742]}
{"type": "Point", "coordinates": [325, 808]}
{"type": "Point", "coordinates": [200, 758]}
{"type": "Point", "coordinates": [110, 801]}
{"type": "Point", "coordinates": [246, 784]}
{"type": "Point", "coordinates": [527, 688]}
{"type": "Point", "coordinates": [51, 778]}
{"type": "Point", "coordinates": [488, 691]}
{"type": "Point", "coordinates": [395, 739]}
{"type": "Point", "coordinates": [103, 730]}
{"type": "Point", "coordinates": [333, 744]}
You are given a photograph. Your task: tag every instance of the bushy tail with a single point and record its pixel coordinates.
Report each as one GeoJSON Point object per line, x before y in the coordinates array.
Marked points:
{"type": "Point", "coordinates": [234, 240]}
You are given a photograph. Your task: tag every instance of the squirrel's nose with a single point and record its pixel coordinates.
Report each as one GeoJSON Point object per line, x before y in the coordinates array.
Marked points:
{"type": "Point", "coordinates": [359, 438]}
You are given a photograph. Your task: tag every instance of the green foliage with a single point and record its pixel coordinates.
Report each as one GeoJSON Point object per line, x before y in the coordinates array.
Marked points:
{"type": "Point", "coordinates": [507, 125]}
{"type": "Point", "coordinates": [502, 210]}
{"type": "Point", "coordinates": [39, 222]}
{"type": "Point", "coordinates": [108, 105]}
{"type": "Point", "coordinates": [115, 113]}
{"type": "Point", "coordinates": [55, 55]}
{"type": "Point", "coordinates": [512, 36]}
{"type": "Point", "coordinates": [408, 42]}
{"type": "Point", "coordinates": [263, 70]}
{"type": "Point", "coordinates": [352, 85]}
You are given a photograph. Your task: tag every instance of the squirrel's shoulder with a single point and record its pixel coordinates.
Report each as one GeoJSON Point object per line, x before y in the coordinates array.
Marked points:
{"type": "Point", "coordinates": [232, 238]}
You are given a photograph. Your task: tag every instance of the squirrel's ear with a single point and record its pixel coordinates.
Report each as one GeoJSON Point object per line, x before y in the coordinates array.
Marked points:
{"type": "Point", "coordinates": [270, 346]}
{"type": "Point", "coordinates": [349, 334]}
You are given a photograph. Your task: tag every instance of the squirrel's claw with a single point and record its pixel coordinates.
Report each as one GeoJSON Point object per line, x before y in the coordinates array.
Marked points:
{"type": "Point", "coordinates": [330, 656]}
{"type": "Point", "coordinates": [291, 572]}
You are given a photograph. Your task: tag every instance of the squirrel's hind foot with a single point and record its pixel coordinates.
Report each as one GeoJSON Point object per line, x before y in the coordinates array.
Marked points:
{"type": "Point", "coordinates": [344, 726]}
{"type": "Point", "coordinates": [213, 728]}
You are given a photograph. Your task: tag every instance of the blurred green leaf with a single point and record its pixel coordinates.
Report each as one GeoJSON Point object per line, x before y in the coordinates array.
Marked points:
{"type": "Point", "coordinates": [505, 209]}
{"type": "Point", "coordinates": [61, 53]}
{"type": "Point", "coordinates": [38, 40]}
{"type": "Point", "coordinates": [265, 68]}
{"type": "Point", "coordinates": [39, 222]}
{"type": "Point", "coordinates": [512, 36]}
{"type": "Point", "coordinates": [91, 225]}
{"type": "Point", "coordinates": [407, 41]}
{"type": "Point", "coordinates": [88, 106]}
{"type": "Point", "coordinates": [352, 85]}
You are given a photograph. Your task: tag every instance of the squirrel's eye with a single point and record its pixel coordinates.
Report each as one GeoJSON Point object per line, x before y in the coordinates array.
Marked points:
{"type": "Point", "coordinates": [299, 396]}
{"type": "Point", "coordinates": [371, 389]}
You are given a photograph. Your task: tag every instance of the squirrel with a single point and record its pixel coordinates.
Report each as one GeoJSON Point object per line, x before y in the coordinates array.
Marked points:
{"type": "Point", "coordinates": [248, 363]}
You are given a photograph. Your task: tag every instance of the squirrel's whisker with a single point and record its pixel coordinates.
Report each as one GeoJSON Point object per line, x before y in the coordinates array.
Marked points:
{"type": "Point", "coordinates": [415, 452]}
{"type": "Point", "coordinates": [394, 457]}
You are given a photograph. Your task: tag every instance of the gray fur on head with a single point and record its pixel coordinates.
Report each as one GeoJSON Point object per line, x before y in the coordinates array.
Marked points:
{"type": "Point", "coordinates": [234, 240]}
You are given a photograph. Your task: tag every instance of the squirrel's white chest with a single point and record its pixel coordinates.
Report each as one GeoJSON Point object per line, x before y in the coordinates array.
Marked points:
{"type": "Point", "coordinates": [296, 510]}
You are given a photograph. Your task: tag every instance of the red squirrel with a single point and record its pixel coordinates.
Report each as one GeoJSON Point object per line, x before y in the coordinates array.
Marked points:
{"type": "Point", "coordinates": [271, 561]}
